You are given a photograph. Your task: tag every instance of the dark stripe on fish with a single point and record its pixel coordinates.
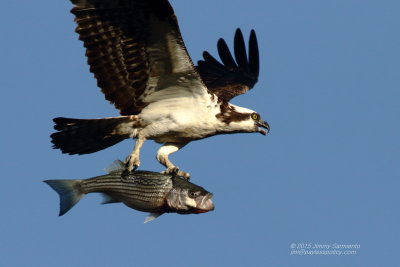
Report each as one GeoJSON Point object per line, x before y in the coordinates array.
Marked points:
{"type": "Point", "coordinates": [131, 188]}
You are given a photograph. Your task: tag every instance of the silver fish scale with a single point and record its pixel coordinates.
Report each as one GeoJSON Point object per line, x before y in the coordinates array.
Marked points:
{"type": "Point", "coordinates": [140, 191]}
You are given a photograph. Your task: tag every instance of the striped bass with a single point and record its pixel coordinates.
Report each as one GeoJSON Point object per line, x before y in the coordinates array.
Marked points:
{"type": "Point", "coordinates": [146, 191]}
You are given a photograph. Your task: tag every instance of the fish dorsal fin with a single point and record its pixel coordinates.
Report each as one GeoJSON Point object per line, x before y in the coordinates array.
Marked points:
{"type": "Point", "coordinates": [116, 166]}
{"type": "Point", "coordinates": [152, 216]}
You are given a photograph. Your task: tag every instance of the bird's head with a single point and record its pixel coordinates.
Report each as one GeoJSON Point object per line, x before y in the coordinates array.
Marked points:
{"type": "Point", "coordinates": [259, 124]}
{"type": "Point", "coordinates": [238, 119]}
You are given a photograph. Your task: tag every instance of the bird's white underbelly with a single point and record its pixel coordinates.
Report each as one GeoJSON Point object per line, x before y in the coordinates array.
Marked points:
{"type": "Point", "coordinates": [179, 120]}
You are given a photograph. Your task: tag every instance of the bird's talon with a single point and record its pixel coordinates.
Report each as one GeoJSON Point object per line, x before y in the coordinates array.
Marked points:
{"type": "Point", "coordinates": [185, 175]}
{"type": "Point", "coordinates": [175, 171]}
{"type": "Point", "coordinates": [131, 163]}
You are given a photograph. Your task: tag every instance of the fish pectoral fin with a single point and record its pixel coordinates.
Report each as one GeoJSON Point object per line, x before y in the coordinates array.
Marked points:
{"type": "Point", "coordinates": [152, 216]}
{"type": "Point", "coordinates": [107, 199]}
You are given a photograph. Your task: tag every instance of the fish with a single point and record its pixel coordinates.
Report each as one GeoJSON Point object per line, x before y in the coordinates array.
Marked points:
{"type": "Point", "coordinates": [144, 191]}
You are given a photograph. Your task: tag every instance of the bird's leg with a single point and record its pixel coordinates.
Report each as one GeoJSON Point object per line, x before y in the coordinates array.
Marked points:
{"type": "Point", "coordinates": [162, 157]}
{"type": "Point", "coordinates": [133, 161]}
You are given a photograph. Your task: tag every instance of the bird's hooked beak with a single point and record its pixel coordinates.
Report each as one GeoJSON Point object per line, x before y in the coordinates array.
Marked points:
{"type": "Point", "coordinates": [263, 124]}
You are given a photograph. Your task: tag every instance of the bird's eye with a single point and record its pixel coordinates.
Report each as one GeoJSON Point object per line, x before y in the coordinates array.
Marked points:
{"type": "Point", "coordinates": [255, 116]}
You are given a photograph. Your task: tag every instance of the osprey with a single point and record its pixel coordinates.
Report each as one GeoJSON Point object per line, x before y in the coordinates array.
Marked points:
{"type": "Point", "coordinates": [136, 52]}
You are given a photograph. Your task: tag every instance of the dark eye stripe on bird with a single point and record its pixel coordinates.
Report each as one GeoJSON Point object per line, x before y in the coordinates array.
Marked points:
{"type": "Point", "coordinates": [136, 53]}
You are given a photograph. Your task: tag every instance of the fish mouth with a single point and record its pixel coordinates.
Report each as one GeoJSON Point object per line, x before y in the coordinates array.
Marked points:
{"type": "Point", "coordinates": [263, 124]}
{"type": "Point", "coordinates": [205, 204]}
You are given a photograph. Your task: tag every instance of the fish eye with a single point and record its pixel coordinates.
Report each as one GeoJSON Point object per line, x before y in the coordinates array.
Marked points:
{"type": "Point", "coordinates": [255, 116]}
{"type": "Point", "coordinates": [193, 194]}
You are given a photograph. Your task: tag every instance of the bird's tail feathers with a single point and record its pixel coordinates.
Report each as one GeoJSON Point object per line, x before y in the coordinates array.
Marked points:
{"type": "Point", "coordinates": [85, 136]}
{"type": "Point", "coordinates": [68, 191]}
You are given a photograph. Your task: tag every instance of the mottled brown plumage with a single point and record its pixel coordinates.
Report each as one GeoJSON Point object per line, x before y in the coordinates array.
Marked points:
{"type": "Point", "coordinates": [117, 41]}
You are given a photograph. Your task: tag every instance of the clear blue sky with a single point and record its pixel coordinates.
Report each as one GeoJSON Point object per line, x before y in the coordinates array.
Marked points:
{"type": "Point", "coordinates": [327, 173]}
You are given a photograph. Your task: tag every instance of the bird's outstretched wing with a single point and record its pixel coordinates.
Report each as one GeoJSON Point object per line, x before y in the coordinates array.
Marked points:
{"type": "Point", "coordinates": [135, 50]}
{"type": "Point", "coordinates": [234, 76]}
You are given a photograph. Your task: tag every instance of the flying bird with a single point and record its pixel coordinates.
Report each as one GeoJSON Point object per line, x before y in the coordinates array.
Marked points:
{"type": "Point", "coordinates": [136, 52]}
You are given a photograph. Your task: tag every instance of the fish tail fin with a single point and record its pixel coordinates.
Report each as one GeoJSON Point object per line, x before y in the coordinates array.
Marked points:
{"type": "Point", "coordinates": [68, 191]}
{"type": "Point", "coordinates": [85, 136]}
